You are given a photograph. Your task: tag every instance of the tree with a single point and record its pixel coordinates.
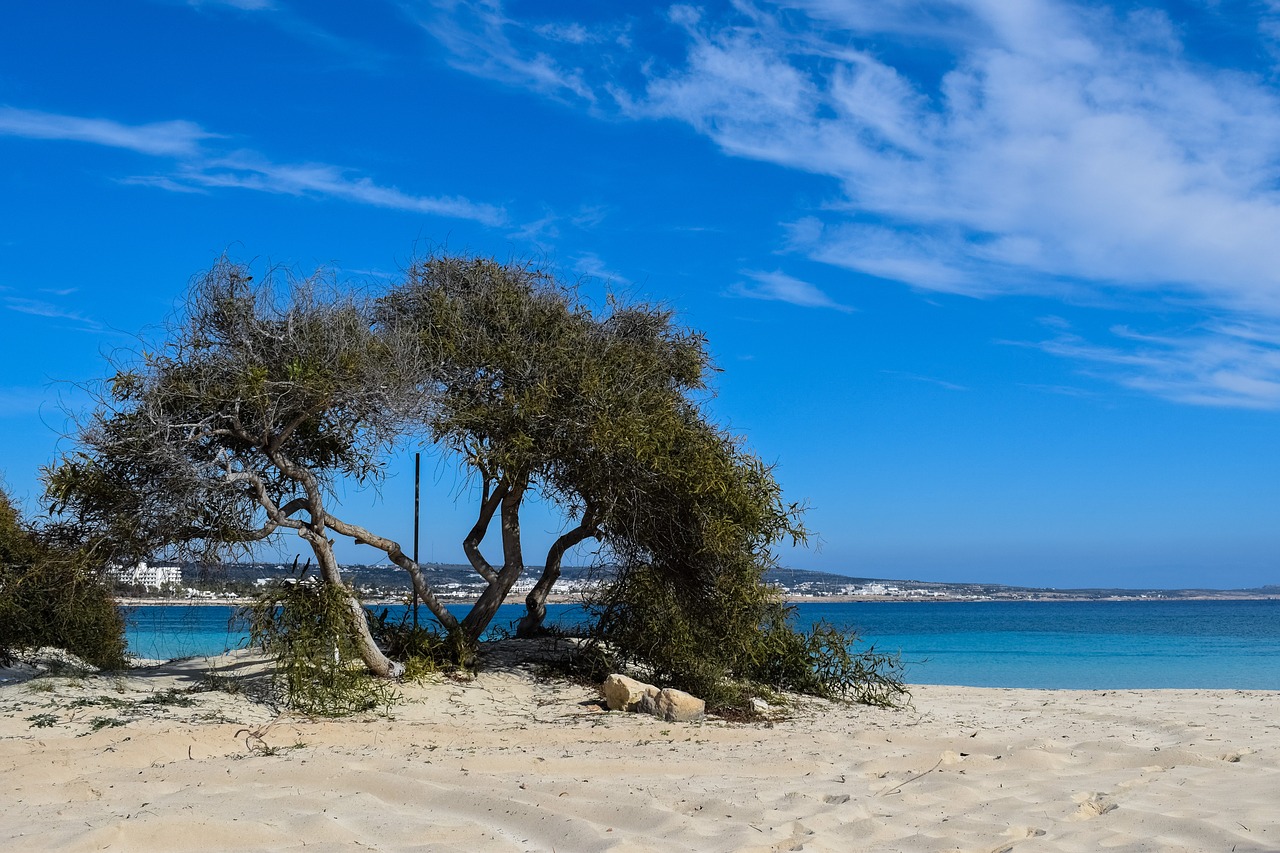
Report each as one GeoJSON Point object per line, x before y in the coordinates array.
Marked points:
{"type": "Point", "coordinates": [50, 596]}
{"type": "Point", "coordinates": [262, 395]}
{"type": "Point", "coordinates": [238, 424]}
{"type": "Point", "coordinates": [535, 392]}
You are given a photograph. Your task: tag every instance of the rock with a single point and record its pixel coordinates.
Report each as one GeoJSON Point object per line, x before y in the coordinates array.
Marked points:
{"type": "Point", "coordinates": [676, 706]}
{"type": "Point", "coordinates": [625, 694]}
{"type": "Point", "coordinates": [759, 706]}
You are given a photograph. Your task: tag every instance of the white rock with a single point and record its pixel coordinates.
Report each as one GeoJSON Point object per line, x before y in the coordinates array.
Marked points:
{"type": "Point", "coordinates": [625, 694]}
{"type": "Point", "coordinates": [676, 706]}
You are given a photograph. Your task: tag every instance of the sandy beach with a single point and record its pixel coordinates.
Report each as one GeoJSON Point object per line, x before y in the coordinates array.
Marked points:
{"type": "Point", "coordinates": [155, 760]}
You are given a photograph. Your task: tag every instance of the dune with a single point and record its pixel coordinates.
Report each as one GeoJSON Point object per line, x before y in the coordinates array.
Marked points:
{"type": "Point", "coordinates": [186, 756]}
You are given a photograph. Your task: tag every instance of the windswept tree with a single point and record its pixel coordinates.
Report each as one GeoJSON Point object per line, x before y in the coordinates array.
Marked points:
{"type": "Point", "coordinates": [261, 396]}
{"type": "Point", "coordinates": [535, 392]}
{"type": "Point", "coordinates": [238, 424]}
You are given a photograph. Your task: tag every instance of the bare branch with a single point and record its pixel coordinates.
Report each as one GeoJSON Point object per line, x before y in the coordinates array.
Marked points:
{"type": "Point", "coordinates": [396, 554]}
{"type": "Point", "coordinates": [471, 545]}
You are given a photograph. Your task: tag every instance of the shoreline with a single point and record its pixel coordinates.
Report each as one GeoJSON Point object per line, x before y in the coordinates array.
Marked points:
{"type": "Point", "coordinates": [153, 760]}
{"type": "Point", "coordinates": [789, 599]}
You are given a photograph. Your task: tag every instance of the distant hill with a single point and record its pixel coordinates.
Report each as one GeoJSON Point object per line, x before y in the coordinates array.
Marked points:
{"type": "Point", "coordinates": [461, 581]}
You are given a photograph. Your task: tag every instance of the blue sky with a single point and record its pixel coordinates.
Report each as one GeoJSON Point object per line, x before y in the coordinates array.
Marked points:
{"type": "Point", "coordinates": [996, 283]}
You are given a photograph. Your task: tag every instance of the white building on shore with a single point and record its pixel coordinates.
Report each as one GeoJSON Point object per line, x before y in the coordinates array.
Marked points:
{"type": "Point", "coordinates": [151, 577]}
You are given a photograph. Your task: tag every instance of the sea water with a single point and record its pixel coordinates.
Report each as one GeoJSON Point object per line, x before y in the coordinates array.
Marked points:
{"type": "Point", "coordinates": [1061, 645]}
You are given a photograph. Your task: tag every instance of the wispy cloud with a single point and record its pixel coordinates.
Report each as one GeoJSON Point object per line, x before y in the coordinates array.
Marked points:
{"type": "Point", "coordinates": [982, 148]}
{"type": "Point", "coordinates": [21, 402]}
{"type": "Point", "coordinates": [161, 139]}
{"type": "Point", "coordinates": [780, 287]}
{"type": "Point", "coordinates": [291, 19]}
{"type": "Point", "coordinates": [481, 39]}
{"type": "Point", "coordinates": [196, 166]}
{"type": "Point", "coordinates": [590, 264]}
{"type": "Point", "coordinates": [41, 308]}
{"type": "Point", "coordinates": [928, 380]}
{"type": "Point", "coordinates": [1213, 365]}
{"type": "Point", "coordinates": [248, 170]}
{"type": "Point", "coordinates": [1059, 143]}
{"type": "Point", "coordinates": [243, 5]}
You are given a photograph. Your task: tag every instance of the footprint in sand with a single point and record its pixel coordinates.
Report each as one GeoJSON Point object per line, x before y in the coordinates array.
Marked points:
{"type": "Point", "coordinates": [1093, 805]}
{"type": "Point", "coordinates": [1017, 833]}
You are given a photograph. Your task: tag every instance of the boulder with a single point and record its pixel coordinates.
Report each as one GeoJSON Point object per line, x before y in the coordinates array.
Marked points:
{"type": "Point", "coordinates": [625, 694]}
{"type": "Point", "coordinates": [674, 706]}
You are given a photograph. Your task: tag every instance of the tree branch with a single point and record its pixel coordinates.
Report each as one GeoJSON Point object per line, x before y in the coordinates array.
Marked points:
{"type": "Point", "coordinates": [495, 593]}
{"type": "Point", "coordinates": [471, 545]}
{"type": "Point", "coordinates": [396, 554]}
{"type": "Point", "coordinates": [536, 601]}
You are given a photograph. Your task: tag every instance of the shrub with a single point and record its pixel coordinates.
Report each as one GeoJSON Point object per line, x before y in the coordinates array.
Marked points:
{"type": "Point", "coordinates": [731, 643]}
{"type": "Point", "coordinates": [51, 595]}
{"type": "Point", "coordinates": [305, 626]}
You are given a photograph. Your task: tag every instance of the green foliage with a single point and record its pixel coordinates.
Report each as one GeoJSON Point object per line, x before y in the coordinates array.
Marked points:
{"type": "Point", "coordinates": [306, 627]}
{"type": "Point", "coordinates": [689, 603]}
{"type": "Point", "coordinates": [424, 649]}
{"type": "Point", "coordinates": [52, 595]}
{"type": "Point", "coordinates": [823, 662]}
{"type": "Point", "coordinates": [261, 393]}
{"type": "Point", "coordinates": [240, 423]}
{"type": "Point", "coordinates": [734, 644]}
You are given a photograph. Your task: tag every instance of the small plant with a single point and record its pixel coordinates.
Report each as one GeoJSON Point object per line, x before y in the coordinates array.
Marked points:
{"type": "Point", "coordinates": [42, 721]}
{"type": "Point", "coordinates": [51, 594]}
{"type": "Point", "coordinates": [306, 627]}
{"type": "Point", "coordinates": [173, 697]}
{"type": "Point", "coordinates": [96, 701]}
{"type": "Point", "coordinates": [97, 724]}
{"type": "Point", "coordinates": [823, 662]}
{"type": "Point", "coordinates": [213, 682]}
{"type": "Point", "coordinates": [740, 645]}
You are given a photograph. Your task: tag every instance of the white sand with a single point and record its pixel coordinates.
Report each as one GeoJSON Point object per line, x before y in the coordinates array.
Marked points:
{"type": "Point", "coordinates": [508, 762]}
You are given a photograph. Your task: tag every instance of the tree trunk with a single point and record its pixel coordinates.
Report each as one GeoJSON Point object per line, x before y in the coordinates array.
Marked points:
{"type": "Point", "coordinates": [378, 663]}
{"type": "Point", "coordinates": [536, 601]}
{"type": "Point", "coordinates": [482, 612]}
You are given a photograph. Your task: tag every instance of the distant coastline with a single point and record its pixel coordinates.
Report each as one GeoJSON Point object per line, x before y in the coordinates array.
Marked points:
{"type": "Point", "coordinates": [380, 585]}
{"type": "Point", "coordinates": [1064, 596]}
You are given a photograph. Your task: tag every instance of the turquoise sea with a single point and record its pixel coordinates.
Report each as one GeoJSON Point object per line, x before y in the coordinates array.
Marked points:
{"type": "Point", "coordinates": [1061, 645]}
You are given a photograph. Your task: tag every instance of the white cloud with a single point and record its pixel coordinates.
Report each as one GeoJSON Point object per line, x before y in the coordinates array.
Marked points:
{"type": "Point", "coordinates": [591, 265]}
{"type": "Point", "coordinates": [21, 402]}
{"type": "Point", "coordinates": [928, 380]}
{"type": "Point", "coordinates": [1060, 143]}
{"type": "Point", "coordinates": [482, 40]}
{"type": "Point", "coordinates": [980, 147]}
{"type": "Point", "coordinates": [248, 170]}
{"type": "Point", "coordinates": [780, 287]}
{"type": "Point", "coordinates": [162, 139]}
{"type": "Point", "coordinates": [199, 168]}
{"type": "Point", "coordinates": [40, 308]}
{"type": "Point", "coordinates": [243, 5]}
{"type": "Point", "coordinates": [1213, 365]}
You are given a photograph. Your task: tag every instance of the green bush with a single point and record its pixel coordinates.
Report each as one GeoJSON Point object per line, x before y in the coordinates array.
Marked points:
{"type": "Point", "coordinates": [730, 643]}
{"type": "Point", "coordinates": [306, 627]}
{"type": "Point", "coordinates": [51, 595]}
{"type": "Point", "coordinates": [424, 648]}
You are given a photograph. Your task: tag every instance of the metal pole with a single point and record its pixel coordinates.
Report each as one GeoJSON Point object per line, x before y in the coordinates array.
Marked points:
{"type": "Point", "coordinates": [417, 469]}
